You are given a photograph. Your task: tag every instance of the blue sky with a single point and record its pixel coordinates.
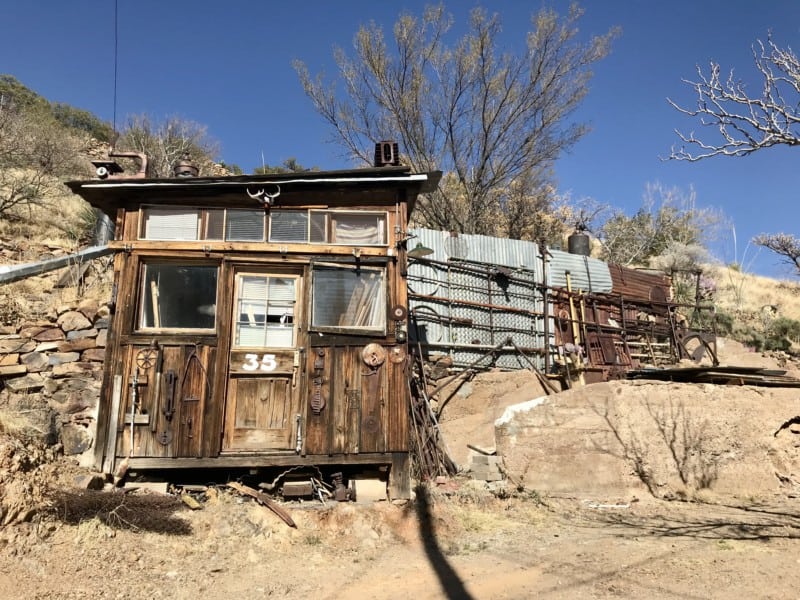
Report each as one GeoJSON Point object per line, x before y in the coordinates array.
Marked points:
{"type": "Point", "coordinates": [228, 66]}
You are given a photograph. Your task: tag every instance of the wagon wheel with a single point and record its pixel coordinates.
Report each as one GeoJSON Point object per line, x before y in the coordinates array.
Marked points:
{"type": "Point", "coordinates": [697, 348]}
{"type": "Point", "coordinates": [146, 358]}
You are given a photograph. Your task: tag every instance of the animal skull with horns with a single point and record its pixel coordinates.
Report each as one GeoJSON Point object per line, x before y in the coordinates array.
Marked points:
{"type": "Point", "coordinates": [265, 197]}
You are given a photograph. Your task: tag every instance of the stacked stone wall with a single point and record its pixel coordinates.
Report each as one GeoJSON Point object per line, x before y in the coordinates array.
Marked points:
{"type": "Point", "coordinates": [51, 371]}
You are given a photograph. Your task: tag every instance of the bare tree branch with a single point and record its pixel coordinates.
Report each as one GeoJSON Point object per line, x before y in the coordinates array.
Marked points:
{"type": "Point", "coordinates": [165, 142]}
{"type": "Point", "coordinates": [784, 245]}
{"type": "Point", "coordinates": [740, 122]}
{"type": "Point", "coordinates": [494, 120]}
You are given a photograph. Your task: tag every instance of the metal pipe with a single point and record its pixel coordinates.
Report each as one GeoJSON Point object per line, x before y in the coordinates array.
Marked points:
{"type": "Point", "coordinates": [141, 156]}
{"type": "Point", "coordinates": [9, 273]}
{"type": "Point", "coordinates": [449, 301]}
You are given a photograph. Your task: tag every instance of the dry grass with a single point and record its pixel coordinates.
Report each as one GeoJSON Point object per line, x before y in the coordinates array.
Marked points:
{"type": "Point", "coordinates": [56, 222]}
{"type": "Point", "coordinates": [740, 292]}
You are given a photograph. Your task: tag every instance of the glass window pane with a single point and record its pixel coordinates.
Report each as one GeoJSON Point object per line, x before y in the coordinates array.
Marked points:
{"type": "Point", "coordinates": [358, 229]}
{"type": "Point", "coordinates": [265, 311]}
{"type": "Point", "coordinates": [319, 227]}
{"type": "Point", "coordinates": [288, 226]}
{"type": "Point", "coordinates": [178, 297]}
{"type": "Point", "coordinates": [215, 224]}
{"type": "Point", "coordinates": [245, 225]}
{"type": "Point", "coordinates": [170, 223]}
{"type": "Point", "coordinates": [348, 298]}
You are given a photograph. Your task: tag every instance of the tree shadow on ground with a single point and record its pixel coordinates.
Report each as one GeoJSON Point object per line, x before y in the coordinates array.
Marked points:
{"type": "Point", "coordinates": [707, 521]}
{"type": "Point", "coordinates": [120, 510]}
{"type": "Point", "coordinates": [452, 586]}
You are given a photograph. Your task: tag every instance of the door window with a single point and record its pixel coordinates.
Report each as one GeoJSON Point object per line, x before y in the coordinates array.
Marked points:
{"type": "Point", "coordinates": [265, 311]}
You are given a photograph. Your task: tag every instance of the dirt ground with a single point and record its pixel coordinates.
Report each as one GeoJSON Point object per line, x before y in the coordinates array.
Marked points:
{"type": "Point", "coordinates": [456, 539]}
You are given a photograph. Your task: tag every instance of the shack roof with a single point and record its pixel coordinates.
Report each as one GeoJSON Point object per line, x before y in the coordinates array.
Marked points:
{"type": "Point", "coordinates": [110, 194]}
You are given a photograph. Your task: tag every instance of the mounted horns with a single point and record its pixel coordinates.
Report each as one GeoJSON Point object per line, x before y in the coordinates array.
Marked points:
{"type": "Point", "coordinates": [264, 197]}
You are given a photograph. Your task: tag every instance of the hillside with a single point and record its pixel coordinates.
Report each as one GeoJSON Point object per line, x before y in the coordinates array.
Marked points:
{"type": "Point", "coordinates": [628, 488]}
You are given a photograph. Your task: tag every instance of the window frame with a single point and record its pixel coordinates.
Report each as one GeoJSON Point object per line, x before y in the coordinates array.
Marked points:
{"type": "Point", "coordinates": [331, 213]}
{"type": "Point", "coordinates": [380, 330]}
{"type": "Point", "coordinates": [203, 219]}
{"type": "Point", "coordinates": [238, 278]}
{"type": "Point", "coordinates": [139, 308]}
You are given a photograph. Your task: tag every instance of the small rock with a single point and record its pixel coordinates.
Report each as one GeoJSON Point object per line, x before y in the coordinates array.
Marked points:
{"type": "Point", "coordinates": [81, 333]}
{"type": "Point", "coordinates": [73, 321]}
{"type": "Point", "coordinates": [75, 439]}
{"type": "Point", "coordinates": [47, 347]}
{"type": "Point", "coordinates": [90, 481]}
{"type": "Point", "coordinates": [73, 368]}
{"type": "Point", "coordinates": [35, 361]}
{"type": "Point", "coordinates": [77, 345]}
{"type": "Point", "coordinates": [88, 308]}
{"type": "Point", "coordinates": [17, 345]}
{"type": "Point", "coordinates": [59, 358]}
{"type": "Point", "coordinates": [49, 334]}
{"type": "Point", "coordinates": [30, 383]}
{"type": "Point", "coordinates": [94, 354]}
{"type": "Point", "coordinates": [8, 359]}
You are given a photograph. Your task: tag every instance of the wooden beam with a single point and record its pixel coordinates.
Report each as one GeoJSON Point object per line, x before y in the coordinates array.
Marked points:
{"type": "Point", "coordinates": [261, 460]}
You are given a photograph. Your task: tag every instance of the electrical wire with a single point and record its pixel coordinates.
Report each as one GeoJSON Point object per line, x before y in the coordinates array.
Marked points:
{"type": "Point", "coordinates": [116, 60]}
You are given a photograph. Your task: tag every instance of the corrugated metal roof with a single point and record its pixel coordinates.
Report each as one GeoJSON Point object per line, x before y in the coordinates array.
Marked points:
{"type": "Point", "coordinates": [640, 285]}
{"type": "Point", "coordinates": [586, 274]}
{"type": "Point", "coordinates": [514, 254]}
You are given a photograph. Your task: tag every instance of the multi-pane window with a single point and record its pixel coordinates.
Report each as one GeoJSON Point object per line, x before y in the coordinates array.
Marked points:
{"type": "Point", "coordinates": [348, 298]}
{"type": "Point", "coordinates": [265, 311]}
{"type": "Point", "coordinates": [178, 296]}
{"type": "Point", "coordinates": [344, 227]}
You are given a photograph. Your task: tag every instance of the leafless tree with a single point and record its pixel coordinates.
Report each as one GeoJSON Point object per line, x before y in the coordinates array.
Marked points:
{"type": "Point", "coordinates": [35, 152]}
{"type": "Point", "coordinates": [165, 142]}
{"type": "Point", "coordinates": [747, 123]}
{"type": "Point", "coordinates": [743, 123]}
{"type": "Point", "coordinates": [784, 245]}
{"type": "Point", "coordinates": [493, 120]}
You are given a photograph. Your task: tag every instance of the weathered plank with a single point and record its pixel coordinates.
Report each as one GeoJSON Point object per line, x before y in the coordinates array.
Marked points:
{"type": "Point", "coordinates": [264, 500]}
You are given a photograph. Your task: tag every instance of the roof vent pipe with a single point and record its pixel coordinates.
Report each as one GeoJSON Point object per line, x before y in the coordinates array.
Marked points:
{"type": "Point", "coordinates": [185, 167]}
{"type": "Point", "coordinates": [387, 154]}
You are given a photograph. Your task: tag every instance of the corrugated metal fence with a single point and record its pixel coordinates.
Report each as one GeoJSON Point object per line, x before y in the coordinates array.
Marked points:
{"type": "Point", "coordinates": [479, 298]}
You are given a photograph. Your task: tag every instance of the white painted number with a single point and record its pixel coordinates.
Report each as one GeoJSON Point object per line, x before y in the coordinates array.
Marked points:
{"type": "Point", "coordinates": [251, 363]}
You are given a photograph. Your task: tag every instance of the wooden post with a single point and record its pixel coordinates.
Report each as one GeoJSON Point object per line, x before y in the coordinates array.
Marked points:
{"type": "Point", "coordinates": [113, 421]}
{"type": "Point", "coordinates": [400, 477]}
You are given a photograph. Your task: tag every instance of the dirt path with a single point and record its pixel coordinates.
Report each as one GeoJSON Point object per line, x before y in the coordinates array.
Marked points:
{"type": "Point", "coordinates": [468, 544]}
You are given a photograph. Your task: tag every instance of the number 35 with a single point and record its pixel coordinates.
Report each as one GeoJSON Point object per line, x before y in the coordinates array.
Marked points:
{"type": "Point", "coordinates": [267, 363]}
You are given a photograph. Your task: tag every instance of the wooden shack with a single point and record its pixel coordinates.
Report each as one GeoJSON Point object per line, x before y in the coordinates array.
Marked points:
{"type": "Point", "coordinates": [259, 321]}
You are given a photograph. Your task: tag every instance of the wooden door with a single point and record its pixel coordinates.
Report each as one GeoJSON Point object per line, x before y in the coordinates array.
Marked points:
{"type": "Point", "coordinates": [263, 400]}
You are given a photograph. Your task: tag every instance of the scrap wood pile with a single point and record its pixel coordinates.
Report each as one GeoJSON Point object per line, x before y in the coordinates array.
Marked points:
{"type": "Point", "coordinates": [720, 376]}
{"type": "Point", "coordinates": [429, 453]}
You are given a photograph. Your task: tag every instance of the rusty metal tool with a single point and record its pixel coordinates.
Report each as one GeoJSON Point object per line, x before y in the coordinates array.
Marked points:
{"type": "Point", "coordinates": [156, 400]}
{"type": "Point", "coordinates": [168, 410]}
